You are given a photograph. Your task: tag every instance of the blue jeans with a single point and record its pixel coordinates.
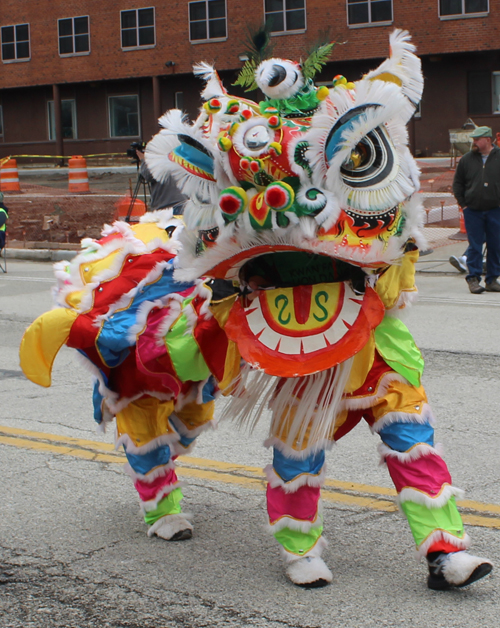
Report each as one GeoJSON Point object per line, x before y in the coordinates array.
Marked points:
{"type": "Point", "coordinates": [483, 226]}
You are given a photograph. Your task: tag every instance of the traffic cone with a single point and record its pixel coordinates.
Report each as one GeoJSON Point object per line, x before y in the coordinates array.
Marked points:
{"type": "Point", "coordinates": [78, 180]}
{"type": "Point", "coordinates": [125, 212]}
{"type": "Point", "coordinates": [9, 177]}
{"type": "Point", "coordinates": [461, 234]}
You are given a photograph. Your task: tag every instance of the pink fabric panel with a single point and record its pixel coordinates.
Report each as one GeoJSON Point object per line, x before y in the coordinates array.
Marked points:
{"type": "Point", "coordinates": [302, 505]}
{"type": "Point", "coordinates": [427, 473]}
{"type": "Point", "coordinates": [149, 490]}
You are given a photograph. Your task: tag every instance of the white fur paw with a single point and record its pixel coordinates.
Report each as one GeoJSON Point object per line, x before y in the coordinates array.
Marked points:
{"type": "Point", "coordinates": [309, 571]}
{"type": "Point", "coordinates": [172, 528]}
{"type": "Point", "coordinates": [461, 568]}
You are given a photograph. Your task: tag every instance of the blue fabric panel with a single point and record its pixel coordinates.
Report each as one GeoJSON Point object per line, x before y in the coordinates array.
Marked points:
{"type": "Point", "coordinates": [184, 440]}
{"type": "Point", "coordinates": [208, 390]}
{"type": "Point", "coordinates": [289, 468]}
{"type": "Point", "coordinates": [155, 458]}
{"type": "Point", "coordinates": [195, 157]}
{"type": "Point", "coordinates": [112, 341]}
{"type": "Point", "coordinates": [97, 399]}
{"type": "Point", "coordinates": [403, 436]}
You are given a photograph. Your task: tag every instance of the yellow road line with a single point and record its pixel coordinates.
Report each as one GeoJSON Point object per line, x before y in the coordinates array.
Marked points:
{"type": "Point", "coordinates": [335, 491]}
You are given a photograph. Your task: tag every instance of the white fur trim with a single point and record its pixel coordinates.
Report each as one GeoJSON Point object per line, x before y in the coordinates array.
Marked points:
{"type": "Point", "coordinates": [152, 475]}
{"type": "Point", "coordinates": [274, 441]}
{"type": "Point", "coordinates": [425, 415]}
{"type": "Point", "coordinates": [300, 525]}
{"type": "Point", "coordinates": [414, 453]}
{"type": "Point", "coordinates": [169, 525]}
{"type": "Point", "coordinates": [442, 535]}
{"type": "Point", "coordinates": [304, 479]}
{"type": "Point", "coordinates": [131, 448]}
{"type": "Point", "coordinates": [419, 497]}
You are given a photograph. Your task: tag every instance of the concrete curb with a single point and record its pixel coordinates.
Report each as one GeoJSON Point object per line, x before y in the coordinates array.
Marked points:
{"type": "Point", "coordinates": [41, 255]}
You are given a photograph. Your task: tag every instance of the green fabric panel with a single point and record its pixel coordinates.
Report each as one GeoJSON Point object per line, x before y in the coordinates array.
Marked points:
{"type": "Point", "coordinates": [297, 542]}
{"type": "Point", "coordinates": [423, 521]}
{"type": "Point", "coordinates": [169, 505]}
{"type": "Point", "coordinates": [185, 353]}
{"type": "Point", "coordinates": [395, 344]}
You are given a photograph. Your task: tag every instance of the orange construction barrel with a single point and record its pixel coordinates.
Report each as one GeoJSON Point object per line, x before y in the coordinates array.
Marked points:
{"type": "Point", "coordinates": [9, 177]}
{"type": "Point", "coordinates": [461, 220]}
{"type": "Point", "coordinates": [123, 208]}
{"type": "Point", "coordinates": [78, 180]}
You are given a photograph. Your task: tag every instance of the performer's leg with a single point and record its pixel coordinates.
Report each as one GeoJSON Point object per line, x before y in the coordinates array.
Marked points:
{"type": "Point", "coordinates": [150, 434]}
{"type": "Point", "coordinates": [492, 247]}
{"type": "Point", "coordinates": [403, 419]}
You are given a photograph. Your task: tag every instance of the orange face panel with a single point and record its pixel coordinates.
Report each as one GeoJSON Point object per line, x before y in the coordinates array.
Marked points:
{"type": "Point", "coordinates": [290, 332]}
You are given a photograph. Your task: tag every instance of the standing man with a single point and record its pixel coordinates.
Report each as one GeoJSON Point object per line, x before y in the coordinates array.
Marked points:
{"type": "Point", "coordinates": [476, 187]}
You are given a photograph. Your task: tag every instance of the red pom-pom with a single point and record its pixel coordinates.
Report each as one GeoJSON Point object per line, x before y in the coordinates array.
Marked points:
{"type": "Point", "coordinates": [244, 164]}
{"type": "Point", "coordinates": [254, 166]}
{"type": "Point", "coordinates": [276, 197]}
{"type": "Point", "coordinates": [247, 114]}
{"type": "Point", "coordinates": [229, 204]}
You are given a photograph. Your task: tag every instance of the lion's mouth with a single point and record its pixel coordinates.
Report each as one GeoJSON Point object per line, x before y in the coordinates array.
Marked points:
{"type": "Point", "coordinates": [308, 313]}
{"type": "Point", "coordinates": [288, 269]}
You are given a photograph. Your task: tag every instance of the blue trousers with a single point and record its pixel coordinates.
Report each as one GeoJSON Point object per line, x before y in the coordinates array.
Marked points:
{"type": "Point", "coordinates": [483, 226]}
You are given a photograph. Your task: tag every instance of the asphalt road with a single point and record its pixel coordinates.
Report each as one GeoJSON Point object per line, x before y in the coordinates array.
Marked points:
{"type": "Point", "coordinates": [73, 548]}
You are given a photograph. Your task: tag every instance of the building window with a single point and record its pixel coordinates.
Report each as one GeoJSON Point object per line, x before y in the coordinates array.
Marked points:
{"type": "Point", "coordinates": [1, 121]}
{"type": "Point", "coordinates": [179, 100]}
{"type": "Point", "coordinates": [207, 20]}
{"type": "Point", "coordinates": [362, 12]}
{"type": "Point", "coordinates": [16, 42]}
{"type": "Point", "coordinates": [74, 36]}
{"type": "Point", "coordinates": [124, 116]}
{"type": "Point", "coordinates": [462, 7]}
{"type": "Point", "coordinates": [479, 92]}
{"type": "Point", "coordinates": [138, 28]}
{"type": "Point", "coordinates": [285, 15]}
{"type": "Point", "coordinates": [68, 115]}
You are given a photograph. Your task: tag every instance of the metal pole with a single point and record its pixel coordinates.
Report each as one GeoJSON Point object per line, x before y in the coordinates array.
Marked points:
{"type": "Point", "coordinates": [58, 122]}
{"type": "Point", "coordinates": [156, 97]}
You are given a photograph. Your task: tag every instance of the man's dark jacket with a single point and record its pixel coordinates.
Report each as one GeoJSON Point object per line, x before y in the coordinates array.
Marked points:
{"type": "Point", "coordinates": [477, 185]}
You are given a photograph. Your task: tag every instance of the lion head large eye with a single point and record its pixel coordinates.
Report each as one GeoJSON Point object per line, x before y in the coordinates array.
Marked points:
{"type": "Point", "coordinates": [371, 162]}
{"type": "Point", "coordinates": [257, 137]}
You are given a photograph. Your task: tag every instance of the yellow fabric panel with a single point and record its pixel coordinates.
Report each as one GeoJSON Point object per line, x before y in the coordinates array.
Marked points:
{"type": "Point", "coordinates": [388, 78]}
{"type": "Point", "coordinates": [221, 309]}
{"type": "Point", "coordinates": [147, 231]}
{"type": "Point", "coordinates": [397, 279]}
{"type": "Point", "coordinates": [89, 270]}
{"type": "Point", "coordinates": [232, 367]}
{"type": "Point", "coordinates": [41, 343]}
{"type": "Point", "coordinates": [280, 428]}
{"type": "Point", "coordinates": [362, 363]}
{"type": "Point", "coordinates": [400, 397]}
{"type": "Point", "coordinates": [194, 415]}
{"type": "Point", "coordinates": [145, 419]}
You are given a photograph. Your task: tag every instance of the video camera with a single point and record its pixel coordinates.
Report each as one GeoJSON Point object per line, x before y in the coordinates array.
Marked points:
{"type": "Point", "coordinates": [141, 146]}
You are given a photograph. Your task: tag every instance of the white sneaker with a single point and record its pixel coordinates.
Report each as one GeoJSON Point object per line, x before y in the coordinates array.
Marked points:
{"type": "Point", "coordinates": [460, 263]}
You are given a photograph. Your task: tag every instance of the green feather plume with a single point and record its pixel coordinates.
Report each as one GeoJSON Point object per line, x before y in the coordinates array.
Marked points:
{"type": "Point", "coordinates": [316, 60]}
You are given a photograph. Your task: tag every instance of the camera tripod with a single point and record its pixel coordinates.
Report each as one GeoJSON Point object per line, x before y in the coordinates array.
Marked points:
{"type": "Point", "coordinates": [146, 189]}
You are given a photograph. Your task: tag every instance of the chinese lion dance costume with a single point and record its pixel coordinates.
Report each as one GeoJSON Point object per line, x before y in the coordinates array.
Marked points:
{"type": "Point", "coordinates": [280, 285]}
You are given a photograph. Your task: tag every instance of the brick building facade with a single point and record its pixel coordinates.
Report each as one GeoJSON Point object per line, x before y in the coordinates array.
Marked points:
{"type": "Point", "coordinates": [87, 76]}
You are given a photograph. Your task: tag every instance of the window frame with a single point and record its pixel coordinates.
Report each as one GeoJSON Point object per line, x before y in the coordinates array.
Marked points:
{"type": "Point", "coordinates": [14, 26]}
{"type": "Point", "coordinates": [138, 46]}
{"type": "Point", "coordinates": [1, 121]}
{"type": "Point", "coordinates": [463, 15]}
{"type": "Point", "coordinates": [110, 124]}
{"type": "Point", "coordinates": [208, 40]}
{"type": "Point", "coordinates": [73, 54]}
{"type": "Point", "coordinates": [370, 24]}
{"type": "Point", "coordinates": [284, 10]}
{"type": "Point", "coordinates": [73, 117]}
{"type": "Point", "coordinates": [495, 111]}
